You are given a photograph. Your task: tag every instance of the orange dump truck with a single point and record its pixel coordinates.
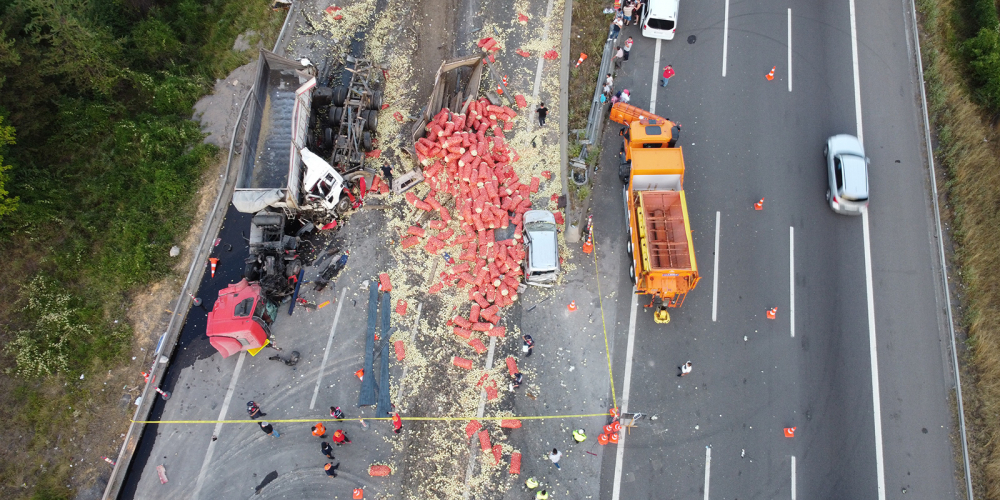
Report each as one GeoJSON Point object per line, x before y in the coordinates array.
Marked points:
{"type": "Point", "coordinates": [652, 168]}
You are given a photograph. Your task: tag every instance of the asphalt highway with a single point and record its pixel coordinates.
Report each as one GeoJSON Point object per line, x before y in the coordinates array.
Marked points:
{"type": "Point", "coordinates": [862, 430]}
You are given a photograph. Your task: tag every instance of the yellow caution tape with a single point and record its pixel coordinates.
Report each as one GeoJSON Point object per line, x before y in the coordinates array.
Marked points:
{"type": "Point", "coordinates": [307, 420]}
{"type": "Point", "coordinates": [604, 324]}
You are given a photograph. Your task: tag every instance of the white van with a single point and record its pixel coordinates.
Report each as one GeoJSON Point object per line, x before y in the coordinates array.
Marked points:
{"type": "Point", "coordinates": [660, 19]}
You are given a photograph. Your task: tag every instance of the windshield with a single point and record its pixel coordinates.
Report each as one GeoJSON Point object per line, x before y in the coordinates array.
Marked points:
{"type": "Point", "coordinates": [660, 24]}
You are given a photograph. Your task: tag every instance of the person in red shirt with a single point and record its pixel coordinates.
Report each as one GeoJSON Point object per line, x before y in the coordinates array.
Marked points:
{"type": "Point", "coordinates": [668, 72]}
{"type": "Point", "coordinates": [340, 438]}
{"type": "Point", "coordinates": [397, 423]}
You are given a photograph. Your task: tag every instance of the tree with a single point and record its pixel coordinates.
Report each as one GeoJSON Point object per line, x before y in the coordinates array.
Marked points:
{"type": "Point", "coordinates": [7, 203]}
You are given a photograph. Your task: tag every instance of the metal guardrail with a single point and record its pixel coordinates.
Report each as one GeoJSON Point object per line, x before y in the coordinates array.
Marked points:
{"type": "Point", "coordinates": [596, 116]}
{"type": "Point", "coordinates": [168, 341]}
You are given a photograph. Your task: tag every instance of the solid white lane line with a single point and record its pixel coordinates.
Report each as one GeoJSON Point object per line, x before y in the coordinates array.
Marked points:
{"type": "Point", "coordinates": [620, 452]}
{"type": "Point", "coordinates": [873, 353]}
{"type": "Point", "coordinates": [725, 39]}
{"type": "Point", "coordinates": [793, 477]}
{"type": "Point", "coordinates": [715, 272]}
{"type": "Point", "coordinates": [657, 71]}
{"type": "Point", "coordinates": [541, 63]}
{"type": "Point", "coordinates": [857, 77]}
{"type": "Point", "coordinates": [329, 345]}
{"type": "Point", "coordinates": [708, 468]}
{"type": "Point", "coordinates": [218, 426]}
{"type": "Point", "coordinates": [791, 278]}
{"type": "Point", "coordinates": [789, 49]}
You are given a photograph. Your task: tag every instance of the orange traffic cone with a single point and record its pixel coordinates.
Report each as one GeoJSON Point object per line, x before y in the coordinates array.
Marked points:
{"type": "Point", "coordinates": [613, 437]}
{"type": "Point", "coordinates": [215, 263]}
{"type": "Point", "coordinates": [359, 494]}
{"type": "Point", "coordinates": [602, 439]}
{"type": "Point", "coordinates": [789, 432]}
{"type": "Point", "coordinates": [772, 313]}
{"type": "Point", "coordinates": [588, 245]}
{"type": "Point", "coordinates": [499, 89]}
{"type": "Point", "coordinates": [572, 305]}
{"type": "Point", "coordinates": [759, 205]}
{"type": "Point", "coordinates": [770, 76]}
{"type": "Point", "coordinates": [505, 80]}
{"type": "Point", "coordinates": [581, 59]}
{"type": "Point", "coordinates": [360, 374]}
{"type": "Point", "coordinates": [608, 429]}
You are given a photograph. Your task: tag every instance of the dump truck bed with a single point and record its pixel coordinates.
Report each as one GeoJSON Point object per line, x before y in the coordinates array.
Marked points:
{"type": "Point", "coordinates": [664, 229]}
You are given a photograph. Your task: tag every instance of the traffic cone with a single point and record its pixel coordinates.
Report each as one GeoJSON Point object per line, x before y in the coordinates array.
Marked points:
{"type": "Point", "coordinates": [505, 80]}
{"type": "Point", "coordinates": [145, 377]}
{"type": "Point", "coordinates": [215, 263]}
{"type": "Point", "coordinates": [770, 76]}
{"type": "Point", "coordinates": [789, 432]}
{"type": "Point", "coordinates": [582, 58]}
{"type": "Point", "coordinates": [602, 439]}
{"type": "Point", "coordinates": [499, 89]}
{"type": "Point", "coordinates": [360, 374]}
{"type": "Point", "coordinates": [613, 437]}
{"type": "Point", "coordinates": [572, 305]}
{"type": "Point", "coordinates": [772, 313]}
{"type": "Point", "coordinates": [588, 245]}
{"type": "Point", "coordinates": [608, 429]}
{"type": "Point", "coordinates": [759, 205]}
{"type": "Point", "coordinates": [359, 494]}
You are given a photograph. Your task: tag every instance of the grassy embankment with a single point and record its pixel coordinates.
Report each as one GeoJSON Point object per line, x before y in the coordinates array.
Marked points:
{"type": "Point", "coordinates": [95, 107]}
{"type": "Point", "coordinates": [961, 55]}
{"type": "Point", "coordinates": [587, 35]}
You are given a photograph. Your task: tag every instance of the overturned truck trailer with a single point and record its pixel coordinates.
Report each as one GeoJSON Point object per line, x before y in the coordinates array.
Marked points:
{"type": "Point", "coordinates": [277, 126]}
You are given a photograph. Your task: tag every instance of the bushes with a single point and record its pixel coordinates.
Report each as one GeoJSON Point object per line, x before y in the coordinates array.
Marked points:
{"type": "Point", "coordinates": [983, 53]}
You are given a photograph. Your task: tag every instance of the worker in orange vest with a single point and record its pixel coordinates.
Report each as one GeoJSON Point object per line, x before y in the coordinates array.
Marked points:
{"type": "Point", "coordinates": [331, 470]}
{"type": "Point", "coordinates": [397, 423]}
{"type": "Point", "coordinates": [319, 430]}
{"type": "Point", "coordinates": [339, 437]}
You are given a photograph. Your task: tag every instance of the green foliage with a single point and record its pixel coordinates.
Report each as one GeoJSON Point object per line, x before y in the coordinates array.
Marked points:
{"type": "Point", "coordinates": [7, 203]}
{"type": "Point", "coordinates": [574, 149]}
{"type": "Point", "coordinates": [56, 324]}
{"type": "Point", "coordinates": [155, 41]}
{"type": "Point", "coordinates": [983, 53]}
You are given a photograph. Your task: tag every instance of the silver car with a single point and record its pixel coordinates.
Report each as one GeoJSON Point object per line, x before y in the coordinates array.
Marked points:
{"type": "Point", "coordinates": [541, 267]}
{"type": "Point", "coordinates": [847, 171]}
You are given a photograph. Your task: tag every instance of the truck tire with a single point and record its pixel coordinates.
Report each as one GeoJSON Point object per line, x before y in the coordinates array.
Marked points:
{"type": "Point", "coordinates": [336, 115]}
{"type": "Point", "coordinates": [624, 170]}
{"type": "Point", "coordinates": [630, 245]}
{"type": "Point", "coordinates": [371, 119]}
{"type": "Point", "coordinates": [631, 272]}
{"type": "Point", "coordinates": [327, 138]}
{"type": "Point", "coordinates": [322, 97]}
{"type": "Point", "coordinates": [339, 96]}
{"type": "Point", "coordinates": [366, 141]}
{"type": "Point", "coordinates": [343, 205]}
{"type": "Point", "coordinates": [251, 271]}
{"type": "Point", "coordinates": [292, 268]}
{"type": "Point", "coordinates": [376, 100]}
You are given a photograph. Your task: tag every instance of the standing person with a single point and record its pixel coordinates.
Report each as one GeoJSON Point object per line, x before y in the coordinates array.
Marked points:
{"type": "Point", "coordinates": [685, 369]}
{"type": "Point", "coordinates": [542, 111]}
{"type": "Point", "coordinates": [627, 47]}
{"type": "Point", "coordinates": [616, 27]}
{"type": "Point", "coordinates": [387, 175]}
{"type": "Point", "coordinates": [627, 11]}
{"type": "Point", "coordinates": [606, 92]}
{"type": "Point", "coordinates": [254, 410]}
{"type": "Point", "coordinates": [327, 450]}
{"type": "Point", "coordinates": [579, 436]}
{"type": "Point", "coordinates": [668, 72]}
{"type": "Point", "coordinates": [397, 423]}
{"type": "Point", "coordinates": [609, 81]}
{"type": "Point", "coordinates": [331, 470]}
{"type": "Point", "coordinates": [529, 344]}
{"type": "Point", "coordinates": [336, 413]}
{"type": "Point", "coordinates": [340, 438]}
{"type": "Point", "coordinates": [555, 456]}
{"type": "Point", "coordinates": [268, 429]}
{"type": "Point", "coordinates": [319, 430]}
{"type": "Point", "coordinates": [675, 134]}
{"type": "Point", "coordinates": [637, 11]}
{"type": "Point", "coordinates": [617, 58]}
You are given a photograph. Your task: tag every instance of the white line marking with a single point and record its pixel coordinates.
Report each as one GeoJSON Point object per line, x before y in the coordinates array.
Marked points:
{"type": "Point", "coordinates": [789, 49]}
{"type": "Point", "coordinates": [541, 63]}
{"type": "Point", "coordinates": [725, 39]}
{"type": "Point", "coordinates": [657, 71]}
{"type": "Point", "coordinates": [857, 77]}
{"type": "Point", "coordinates": [218, 425]}
{"type": "Point", "coordinates": [620, 452]}
{"type": "Point", "coordinates": [715, 273]}
{"type": "Point", "coordinates": [873, 352]}
{"type": "Point", "coordinates": [708, 468]}
{"type": "Point", "coordinates": [793, 477]}
{"type": "Point", "coordinates": [329, 345]}
{"type": "Point", "coordinates": [791, 278]}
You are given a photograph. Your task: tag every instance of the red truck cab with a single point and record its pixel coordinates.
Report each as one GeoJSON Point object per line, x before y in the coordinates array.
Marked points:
{"type": "Point", "coordinates": [240, 319]}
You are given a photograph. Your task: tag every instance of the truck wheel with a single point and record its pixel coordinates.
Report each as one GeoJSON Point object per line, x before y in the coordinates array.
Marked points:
{"type": "Point", "coordinates": [630, 245]}
{"type": "Point", "coordinates": [366, 140]}
{"type": "Point", "coordinates": [321, 96]}
{"type": "Point", "coordinates": [336, 114]}
{"type": "Point", "coordinates": [343, 205]}
{"type": "Point", "coordinates": [327, 138]}
{"type": "Point", "coordinates": [371, 119]}
{"type": "Point", "coordinates": [624, 170]}
{"type": "Point", "coordinates": [251, 271]}
{"type": "Point", "coordinates": [293, 268]}
{"type": "Point", "coordinates": [376, 100]}
{"type": "Point", "coordinates": [339, 96]}
{"type": "Point", "coordinates": [631, 272]}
